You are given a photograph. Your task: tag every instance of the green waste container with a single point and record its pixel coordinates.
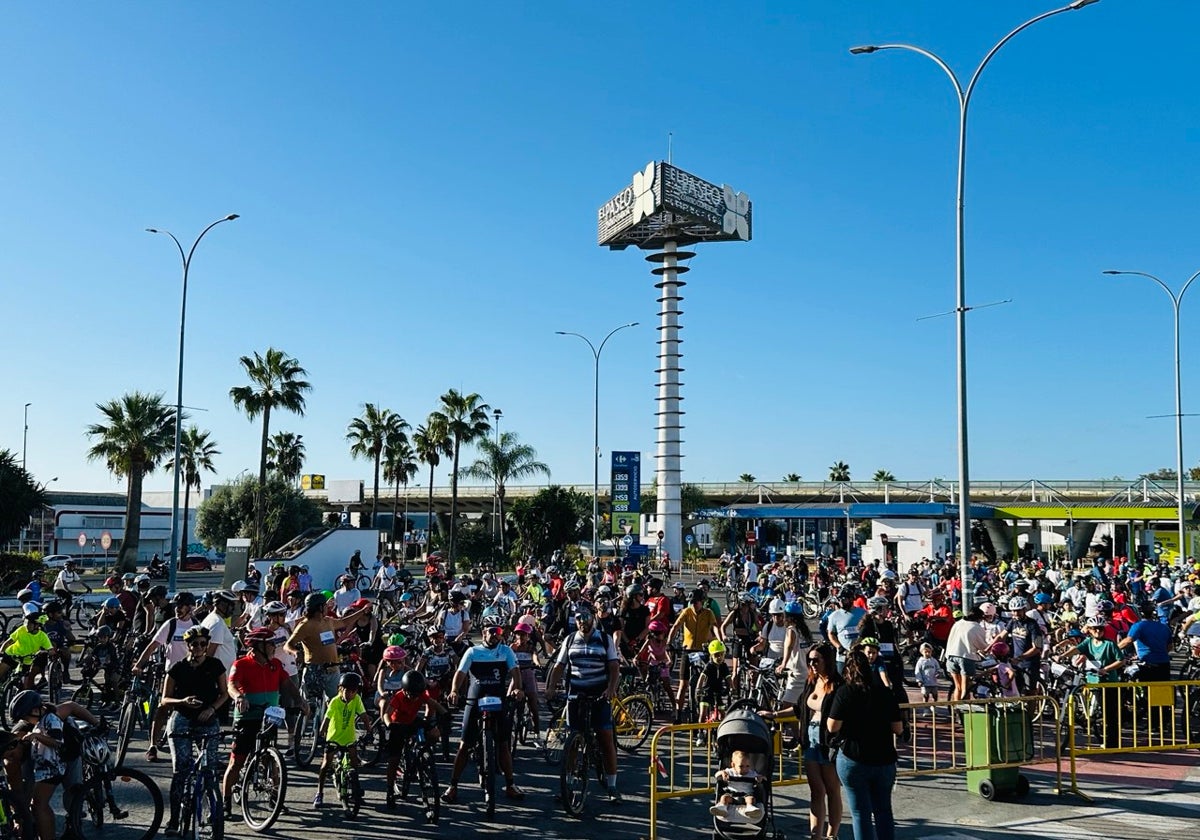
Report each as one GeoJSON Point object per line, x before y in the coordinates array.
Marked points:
{"type": "Point", "coordinates": [998, 733]}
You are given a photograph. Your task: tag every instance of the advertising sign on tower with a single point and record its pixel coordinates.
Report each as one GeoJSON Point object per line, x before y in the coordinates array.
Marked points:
{"type": "Point", "coordinates": [626, 493]}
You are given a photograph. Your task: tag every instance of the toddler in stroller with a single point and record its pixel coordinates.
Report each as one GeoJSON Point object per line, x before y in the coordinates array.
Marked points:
{"type": "Point", "coordinates": [742, 809]}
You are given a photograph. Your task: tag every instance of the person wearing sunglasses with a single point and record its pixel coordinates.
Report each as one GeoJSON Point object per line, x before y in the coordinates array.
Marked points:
{"type": "Point", "coordinates": [825, 803]}
{"type": "Point", "coordinates": [194, 692]}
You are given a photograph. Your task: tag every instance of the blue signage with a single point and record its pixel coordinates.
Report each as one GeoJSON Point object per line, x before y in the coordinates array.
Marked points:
{"type": "Point", "coordinates": [626, 493]}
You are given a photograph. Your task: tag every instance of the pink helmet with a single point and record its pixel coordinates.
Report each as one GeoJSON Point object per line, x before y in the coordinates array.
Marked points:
{"type": "Point", "coordinates": [523, 626]}
{"type": "Point", "coordinates": [1000, 649]}
{"type": "Point", "coordinates": [394, 653]}
{"type": "Point", "coordinates": [657, 626]}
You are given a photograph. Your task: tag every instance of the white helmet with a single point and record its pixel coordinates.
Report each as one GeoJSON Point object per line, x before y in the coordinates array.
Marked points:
{"type": "Point", "coordinates": [775, 607]}
{"type": "Point", "coordinates": [95, 750]}
{"type": "Point", "coordinates": [888, 574]}
{"type": "Point", "coordinates": [1018, 603]}
{"type": "Point", "coordinates": [238, 587]}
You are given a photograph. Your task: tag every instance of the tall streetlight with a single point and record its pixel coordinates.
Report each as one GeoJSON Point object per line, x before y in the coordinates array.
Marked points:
{"type": "Point", "coordinates": [1175, 301]}
{"type": "Point", "coordinates": [173, 562]}
{"type": "Point", "coordinates": [496, 415]}
{"type": "Point", "coordinates": [596, 351]}
{"type": "Point", "coordinates": [25, 436]}
{"type": "Point", "coordinates": [961, 308]}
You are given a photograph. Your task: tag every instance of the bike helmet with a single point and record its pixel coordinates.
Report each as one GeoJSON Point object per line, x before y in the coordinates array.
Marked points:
{"type": "Point", "coordinates": [95, 751]}
{"type": "Point", "coordinates": [572, 585]}
{"type": "Point", "coordinates": [406, 596]}
{"type": "Point", "coordinates": [775, 607]}
{"type": "Point", "coordinates": [888, 574]}
{"type": "Point", "coordinates": [956, 615]}
{"type": "Point", "coordinates": [633, 589]}
{"type": "Point", "coordinates": [988, 609]}
{"type": "Point", "coordinates": [877, 603]}
{"type": "Point", "coordinates": [413, 682]}
{"type": "Point", "coordinates": [494, 620]}
{"type": "Point", "coordinates": [394, 653]}
{"type": "Point", "coordinates": [680, 585]}
{"type": "Point", "coordinates": [1018, 603]}
{"type": "Point", "coordinates": [1095, 621]}
{"type": "Point", "coordinates": [112, 580]}
{"type": "Point", "coordinates": [868, 641]}
{"type": "Point", "coordinates": [604, 591]}
{"type": "Point", "coordinates": [183, 599]}
{"type": "Point", "coordinates": [250, 589]}
{"type": "Point", "coordinates": [656, 626]}
{"type": "Point", "coordinates": [1074, 633]}
{"type": "Point", "coordinates": [239, 586]}
{"type": "Point", "coordinates": [396, 639]}
{"type": "Point", "coordinates": [158, 591]}
{"type": "Point", "coordinates": [793, 608]}
{"type": "Point", "coordinates": [1000, 649]}
{"type": "Point", "coordinates": [196, 632]}
{"type": "Point", "coordinates": [113, 603]}
{"type": "Point", "coordinates": [25, 595]}
{"type": "Point", "coordinates": [51, 607]}
{"type": "Point", "coordinates": [716, 646]}
{"type": "Point", "coordinates": [32, 613]}
{"type": "Point", "coordinates": [275, 608]}
{"type": "Point", "coordinates": [128, 577]}
{"type": "Point", "coordinates": [260, 636]}
{"type": "Point", "coordinates": [140, 579]}
{"type": "Point", "coordinates": [1043, 598]}
{"type": "Point", "coordinates": [23, 704]}
{"type": "Point", "coordinates": [314, 601]}
{"type": "Point", "coordinates": [1105, 606]}
{"type": "Point", "coordinates": [350, 680]}
{"type": "Point", "coordinates": [224, 595]}
{"type": "Point", "coordinates": [523, 627]}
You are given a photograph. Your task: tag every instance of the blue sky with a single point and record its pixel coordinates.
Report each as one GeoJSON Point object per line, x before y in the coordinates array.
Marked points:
{"type": "Point", "coordinates": [418, 187]}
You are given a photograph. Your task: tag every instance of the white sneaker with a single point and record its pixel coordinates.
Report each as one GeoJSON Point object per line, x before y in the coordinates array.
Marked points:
{"type": "Point", "coordinates": [719, 810]}
{"type": "Point", "coordinates": [752, 812]}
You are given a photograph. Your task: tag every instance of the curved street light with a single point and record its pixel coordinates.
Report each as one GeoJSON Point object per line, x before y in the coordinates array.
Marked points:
{"type": "Point", "coordinates": [1176, 299]}
{"type": "Point", "coordinates": [173, 563]}
{"type": "Point", "coordinates": [596, 351]}
{"type": "Point", "coordinates": [961, 308]}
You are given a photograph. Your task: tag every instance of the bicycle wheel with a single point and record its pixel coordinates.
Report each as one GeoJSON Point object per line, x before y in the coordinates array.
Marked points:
{"type": "Point", "coordinates": [370, 742]}
{"type": "Point", "coordinates": [487, 769]}
{"type": "Point", "coordinates": [556, 739]}
{"type": "Point", "coordinates": [264, 789]}
{"type": "Point", "coordinates": [573, 775]}
{"type": "Point", "coordinates": [632, 718]}
{"type": "Point", "coordinates": [125, 730]}
{"type": "Point", "coordinates": [431, 797]}
{"type": "Point", "coordinates": [54, 679]}
{"type": "Point", "coordinates": [208, 814]}
{"type": "Point", "coordinates": [350, 793]}
{"type": "Point", "coordinates": [306, 738]}
{"type": "Point", "coordinates": [134, 807]}
{"type": "Point", "coordinates": [11, 690]}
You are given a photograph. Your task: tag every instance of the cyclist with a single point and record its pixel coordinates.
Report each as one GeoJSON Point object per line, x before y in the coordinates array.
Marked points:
{"type": "Point", "coordinates": [255, 682]}
{"type": "Point", "coordinates": [401, 715]}
{"type": "Point", "coordinates": [34, 587]}
{"type": "Point", "coordinates": [28, 644]}
{"type": "Point", "coordinates": [390, 675]}
{"type": "Point", "coordinates": [489, 666]}
{"type": "Point", "coordinates": [251, 617]}
{"type": "Point", "coordinates": [112, 615]}
{"type": "Point", "coordinates": [194, 692]}
{"type": "Point", "coordinates": [589, 659]}
{"type": "Point", "coordinates": [171, 635]}
{"type": "Point", "coordinates": [69, 577]}
{"type": "Point", "coordinates": [712, 689]}
{"type": "Point", "coordinates": [316, 636]}
{"type": "Point", "coordinates": [699, 626]}
{"type": "Point", "coordinates": [346, 595]}
{"type": "Point", "coordinates": [344, 710]}
{"type": "Point", "coordinates": [224, 644]}
{"type": "Point", "coordinates": [524, 646]}
{"type": "Point", "coordinates": [356, 564]}
{"type": "Point", "coordinates": [740, 628]}
{"type": "Point", "coordinates": [1027, 641]}
{"type": "Point", "coordinates": [437, 664]}
{"type": "Point", "coordinates": [61, 636]}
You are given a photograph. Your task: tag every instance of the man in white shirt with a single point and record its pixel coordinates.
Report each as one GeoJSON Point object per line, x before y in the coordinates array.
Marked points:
{"type": "Point", "coordinates": [223, 644]}
{"type": "Point", "coordinates": [67, 582]}
{"type": "Point", "coordinates": [251, 617]}
{"type": "Point", "coordinates": [749, 571]}
{"type": "Point", "coordinates": [346, 595]}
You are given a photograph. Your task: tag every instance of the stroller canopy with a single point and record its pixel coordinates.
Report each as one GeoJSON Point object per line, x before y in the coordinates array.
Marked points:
{"type": "Point", "coordinates": [744, 730]}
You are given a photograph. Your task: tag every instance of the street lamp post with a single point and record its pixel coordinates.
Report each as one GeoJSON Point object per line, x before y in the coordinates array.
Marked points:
{"type": "Point", "coordinates": [961, 308]}
{"type": "Point", "coordinates": [1176, 299]}
{"type": "Point", "coordinates": [25, 436]}
{"type": "Point", "coordinates": [496, 524]}
{"type": "Point", "coordinates": [596, 351]}
{"type": "Point", "coordinates": [173, 562]}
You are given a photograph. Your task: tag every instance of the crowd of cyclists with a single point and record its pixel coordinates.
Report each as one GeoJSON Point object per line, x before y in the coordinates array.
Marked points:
{"type": "Point", "coordinates": [403, 661]}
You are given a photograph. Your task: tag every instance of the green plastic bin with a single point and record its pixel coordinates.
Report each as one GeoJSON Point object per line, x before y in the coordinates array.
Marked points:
{"type": "Point", "coordinates": [998, 733]}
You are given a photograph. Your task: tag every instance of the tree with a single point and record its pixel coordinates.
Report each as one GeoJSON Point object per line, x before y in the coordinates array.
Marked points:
{"type": "Point", "coordinates": [136, 435]}
{"type": "Point", "coordinates": [840, 471]}
{"type": "Point", "coordinates": [232, 511]}
{"type": "Point", "coordinates": [550, 520]}
{"type": "Point", "coordinates": [1161, 474]}
{"type": "Point", "coordinates": [747, 478]}
{"type": "Point", "coordinates": [275, 382]}
{"type": "Point", "coordinates": [880, 477]}
{"type": "Point", "coordinates": [20, 496]}
{"type": "Point", "coordinates": [792, 478]}
{"type": "Point", "coordinates": [503, 461]}
{"type": "Point", "coordinates": [466, 420]}
{"type": "Point", "coordinates": [196, 453]}
{"type": "Point", "coordinates": [399, 467]}
{"type": "Point", "coordinates": [369, 435]}
{"type": "Point", "coordinates": [1193, 474]}
{"type": "Point", "coordinates": [285, 450]}
{"type": "Point", "coordinates": [432, 442]}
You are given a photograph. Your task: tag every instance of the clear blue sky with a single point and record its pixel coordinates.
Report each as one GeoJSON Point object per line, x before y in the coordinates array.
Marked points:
{"type": "Point", "coordinates": [418, 186]}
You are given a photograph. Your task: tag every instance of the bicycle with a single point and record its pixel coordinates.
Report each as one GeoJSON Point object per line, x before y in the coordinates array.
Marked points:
{"type": "Point", "coordinates": [580, 755]}
{"type": "Point", "coordinates": [766, 689]}
{"type": "Point", "coordinates": [490, 709]}
{"type": "Point", "coordinates": [419, 764]}
{"type": "Point", "coordinates": [16, 822]}
{"type": "Point", "coordinates": [345, 779]}
{"type": "Point", "coordinates": [308, 727]}
{"type": "Point", "coordinates": [113, 803]}
{"type": "Point", "coordinates": [261, 787]}
{"type": "Point", "coordinates": [82, 613]}
{"type": "Point", "coordinates": [137, 710]}
{"type": "Point", "coordinates": [202, 816]}
{"type": "Point", "coordinates": [632, 717]}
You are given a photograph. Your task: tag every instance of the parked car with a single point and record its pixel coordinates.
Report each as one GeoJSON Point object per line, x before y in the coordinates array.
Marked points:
{"type": "Point", "coordinates": [196, 563]}
{"type": "Point", "coordinates": [56, 561]}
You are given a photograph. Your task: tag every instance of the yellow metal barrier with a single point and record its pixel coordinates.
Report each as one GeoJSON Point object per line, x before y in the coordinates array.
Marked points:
{"type": "Point", "coordinates": [1105, 718]}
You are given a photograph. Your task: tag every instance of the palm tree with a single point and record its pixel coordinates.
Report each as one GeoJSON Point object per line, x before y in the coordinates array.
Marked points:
{"type": "Point", "coordinates": [839, 472]}
{"type": "Point", "coordinates": [792, 478]}
{"type": "Point", "coordinates": [370, 434]}
{"type": "Point", "coordinates": [275, 382]}
{"type": "Point", "coordinates": [882, 477]}
{"type": "Point", "coordinates": [503, 461]}
{"type": "Point", "coordinates": [286, 451]}
{"type": "Point", "coordinates": [196, 454]}
{"type": "Point", "coordinates": [747, 478]}
{"type": "Point", "coordinates": [432, 442]}
{"type": "Point", "coordinates": [466, 419]}
{"type": "Point", "coordinates": [399, 467]}
{"type": "Point", "coordinates": [138, 432]}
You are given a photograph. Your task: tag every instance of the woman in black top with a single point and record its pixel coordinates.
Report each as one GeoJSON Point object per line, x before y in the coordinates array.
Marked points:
{"type": "Point", "coordinates": [195, 691]}
{"type": "Point", "coordinates": [866, 718]}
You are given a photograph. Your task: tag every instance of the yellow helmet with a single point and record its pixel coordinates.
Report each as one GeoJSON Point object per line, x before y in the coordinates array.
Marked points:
{"type": "Point", "coordinates": [716, 646]}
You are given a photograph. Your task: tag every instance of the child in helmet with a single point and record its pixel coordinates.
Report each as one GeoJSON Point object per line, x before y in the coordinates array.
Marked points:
{"type": "Point", "coordinates": [401, 715]}
{"type": "Point", "coordinates": [713, 686]}
{"type": "Point", "coordinates": [654, 652]}
{"type": "Point", "coordinates": [1006, 677]}
{"type": "Point", "coordinates": [340, 716]}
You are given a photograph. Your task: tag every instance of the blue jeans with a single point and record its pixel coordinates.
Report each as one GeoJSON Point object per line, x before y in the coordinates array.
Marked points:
{"type": "Point", "coordinates": [868, 790]}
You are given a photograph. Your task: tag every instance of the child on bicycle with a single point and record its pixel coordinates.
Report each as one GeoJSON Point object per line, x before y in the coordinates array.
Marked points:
{"type": "Point", "coordinates": [654, 653]}
{"type": "Point", "coordinates": [402, 711]}
{"type": "Point", "coordinates": [712, 689]}
{"type": "Point", "coordinates": [523, 646]}
{"type": "Point", "coordinates": [343, 712]}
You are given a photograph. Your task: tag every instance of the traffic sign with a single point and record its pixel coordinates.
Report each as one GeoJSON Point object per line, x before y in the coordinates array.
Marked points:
{"type": "Point", "coordinates": [82, 539]}
{"type": "Point", "coordinates": [688, 539]}
{"type": "Point", "coordinates": [751, 538]}
{"type": "Point", "coordinates": [661, 534]}
{"type": "Point", "coordinates": [105, 540]}
{"type": "Point", "coordinates": [627, 541]}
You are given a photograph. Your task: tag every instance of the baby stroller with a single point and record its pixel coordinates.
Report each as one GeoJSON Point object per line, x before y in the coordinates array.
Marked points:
{"type": "Point", "coordinates": [744, 731]}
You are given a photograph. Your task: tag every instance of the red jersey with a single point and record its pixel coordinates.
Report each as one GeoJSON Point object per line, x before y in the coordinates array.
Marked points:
{"type": "Point", "coordinates": [403, 709]}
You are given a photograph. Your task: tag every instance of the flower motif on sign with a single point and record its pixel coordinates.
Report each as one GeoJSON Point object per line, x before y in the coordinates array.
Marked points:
{"type": "Point", "coordinates": [737, 207]}
{"type": "Point", "coordinates": [643, 193]}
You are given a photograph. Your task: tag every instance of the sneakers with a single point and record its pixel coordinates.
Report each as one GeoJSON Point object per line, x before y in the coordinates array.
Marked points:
{"type": "Point", "coordinates": [752, 812]}
{"type": "Point", "coordinates": [718, 810]}
{"type": "Point", "coordinates": [318, 800]}
{"type": "Point", "coordinates": [152, 754]}
{"type": "Point", "coordinates": [614, 796]}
